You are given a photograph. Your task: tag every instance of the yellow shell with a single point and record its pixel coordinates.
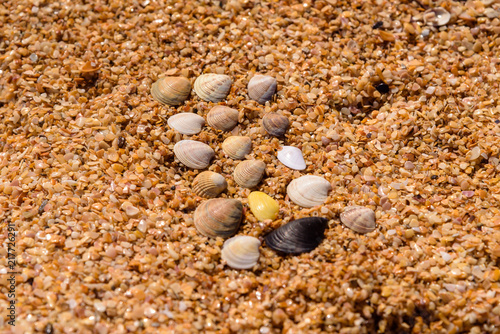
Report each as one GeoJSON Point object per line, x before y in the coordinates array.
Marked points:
{"type": "Point", "coordinates": [263, 206]}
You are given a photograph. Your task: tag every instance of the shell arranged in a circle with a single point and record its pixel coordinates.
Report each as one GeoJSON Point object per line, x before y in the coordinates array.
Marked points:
{"type": "Point", "coordinates": [248, 173]}
{"type": "Point", "coordinates": [309, 190]}
{"type": "Point", "coordinates": [241, 252]}
{"type": "Point", "coordinates": [358, 218]}
{"type": "Point", "coordinates": [275, 124]}
{"type": "Point", "coordinates": [218, 217]}
{"type": "Point", "coordinates": [186, 123]}
{"type": "Point", "coordinates": [194, 154]}
{"type": "Point", "coordinates": [209, 184]}
{"type": "Point", "coordinates": [263, 206]}
{"type": "Point", "coordinates": [212, 87]}
{"type": "Point", "coordinates": [222, 118]}
{"type": "Point", "coordinates": [236, 147]}
{"type": "Point", "coordinates": [261, 88]}
{"type": "Point", "coordinates": [292, 157]}
{"type": "Point", "coordinates": [171, 91]}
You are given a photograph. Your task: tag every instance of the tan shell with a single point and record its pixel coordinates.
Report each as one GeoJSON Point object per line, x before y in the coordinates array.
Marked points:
{"type": "Point", "coordinates": [218, 217]}
{"type": "Point", "coordinates": [212, 87]}
{"type": "Point", "coordinates": [236, 147]}
{"type": "Point", "coordinates": [222, 118]}
{"type": "Point", "coordinates": [171, 91]}
{"type": "Point", "coordinates": [261, 88]}
{"type": "Point", "coordinates": [358, 219]}
{"type": "Point", "coordinates": [187, 123]}
{"type": "Point", "coordinates": [194, 154]}
{"type": "Point", "coordinates": [309, 190]}
{"type": "Point", "coordinates": [248, 173]}
{"type": "Point", "coordinates": [241, 252]}
{"type": "Point", "coordinates": [275, 124]}
{"type": "Point", "coordinates": [209, 184]}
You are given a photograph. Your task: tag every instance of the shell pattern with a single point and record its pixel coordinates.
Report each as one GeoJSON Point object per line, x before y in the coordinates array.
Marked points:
{"type": "Point", "coordinates": [194, 154]}
{"type": "Point", "coordinates": [186, 123]}
{"type": "Point", "coordinates": [236, 147]}
{"type": "Point", "coordinates": [241, 252]}
{"type": "Point", "coordinates": [248, 173]}
{"type": "Point", "coordinates": [358, 218]}
{"type": "Point", "coordinates": [209, 184]}
{"type": "Point", "coordinates": [171, 91]}
{"type": "Point", "coordinates": [292, 157]}
{"type": "Point", "coordinates": [218, 217]}
{"type": "Point", "coordinates": [212, 87]}
{"type": "Point", "coordinates": [275, 124]}
{"type": "Point", "coordinates": [261, 88]}
{"type": "Point", "coordinates": [309, 190]}
{"type": "Point", "coordinates": [222, 118]}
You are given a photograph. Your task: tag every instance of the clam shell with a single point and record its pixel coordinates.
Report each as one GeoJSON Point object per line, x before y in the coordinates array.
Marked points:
{"type": "Point", "coordinates": [209, 184]}
{"type": "Point", "coordinates": [309, 190]}
{"type": "Point", "coordinates": [358, 218]}
{"type": "Point", "coordinates": [222, 118]}
{"type": "Point", "coordinates": [171, 91]}
{"type": "Point", "coordinates": [292, 157]}
{"type": "Point", "coordinates": [186, 123]}
{"type": "Point", "coordinates": [436, 16]}
{"type": "Point", "coordinates": [218, 217]}
{"type": "Point", "coordinates": [261, 88]}
{"type": "Point", "coordinates": [263, 206]}
{"type": "Point", "coordinates": [298, 236]}
{"type": "Point", "coordinates": [275, 124]}
{"type": "Point", "coordinates": [248, 173]}
{"type": "Point", "coordinates": [212, 87]}
{"type": "Point", "coordinates": [236, 147]}
{"type": "Point", "coordinates": [241, 252]}
{"type": "Point", "coordinates": [194, 154]}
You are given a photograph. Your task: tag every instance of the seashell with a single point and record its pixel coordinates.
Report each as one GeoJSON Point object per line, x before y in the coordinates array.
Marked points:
{"type": "Point", "coordinates": [236, 147]}
{"type": "Point", "coordinates": [308, 190]}
{"type": "Point", "coordinates": [218, 217]}
{"type": "Point", "coordinates": [358, 219]}
{"type": "Point", "coordinates": [193, 154]}
{"type": "Point", "coordinates": [241, 252]}
{"type": "Point", "coordinates": [186, 123]}
{"type": "Point", "coordinates": [436, 16]}
{"type": "Point", "coordinates": [222, 118]}
{"type": "Point", "coordinates": [292, 157]}
{"type": "Point", "coordinates": [263, 206]}
{"type": "Point", "coordinates": [209, 184]}
{"type": "Point", "coordinates": [298, 236]}
{"type": "Point", "coordinates": [248, 173]}
{"type": "Point", "coordinates": [275, 124]}
{"type": "Point", "coordinates": [261, 88]}
{"type": "Point", "coordinates": [171, 91]}
{"type": "Point", "coordinates": [212, 87]}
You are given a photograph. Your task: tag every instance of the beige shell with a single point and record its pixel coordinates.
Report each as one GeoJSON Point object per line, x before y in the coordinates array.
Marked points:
{"type": "Point", "coordinates": [186, 123]}
{"type": "Point", "coordinates": [222, 118]}
{"type": "Point", "coordinates": [209, 184]}
{"type": "Point", "coordinates": [171, 91]}
{"type": "Point", "coordinates": [194, 154]}
{"type": "Point", "coordinates": [437, 16]}
{"type": "Point", "coordinates": [358, 218]}
{"type": "Point", "coordinates": [241, 252]}
{"type": "Point", "coordinates": [212, 87]}
{"type": "Point", "coordinates": [248, 173]}
{"type": "Point", "coordinates": [236, 147]}
{"type": "Point", "coordinates": [309, 190]}
{"type": "Point", "coordinates": [218, 217]}
{"type": "Point", "coordinates": [261, 88]}
{"type": "Point", "coordinates": [275, 124]}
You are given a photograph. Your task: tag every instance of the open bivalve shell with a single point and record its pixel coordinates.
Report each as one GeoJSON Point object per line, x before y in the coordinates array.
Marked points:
{"type": "Point", "coordinates": [309, 190]}
{"type": "Point", "coordinates": [218, 217]}
{"type": "Point", "coordinates": [193, 154]}
{"type": "Point", "coordinates": [236, 147]}
{"type": "Point", "coordinates": [212, 87]}
{"type": "Point", "coordinates": [358, 219]}
{"type": "Point", "coordinates": [275, 124]}
{"type": "Point", "coordinates": [209, 184]}
{"type": "Point", "coordinates": [222, 118]}
{"type": "Point", "coordinates": [248, 173]}
{"type": "Point", "coordinates": [292, 157]}
{"type": "Point", "coordinates": [261, 88]}
{"type": "Point", "coordinates": [186, 123]}
{"type": "Point", "coordinates": [171, 91]}
{"type": "Point", "coordinates": [241, 252]}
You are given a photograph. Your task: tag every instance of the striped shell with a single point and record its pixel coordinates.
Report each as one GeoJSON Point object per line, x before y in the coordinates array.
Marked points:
{"type": "Point", "coordinates": [186, 123]}
{"type": "Point", "coordinates": [218, 217]}
{"type": "Point", "coordinates": [308, 190]}
{"type": "Point", "coordinates": [236, 147]}
{"type": "Point", "coordinates": [275, 124]}
{"type": "Point", "coordinates": [222, 118]}
{"type": "Point", "coordinates": [209, 184]}
{"type": "Point", "coordinates": [261, 88]}
{"type": "Point", "coordinates": [358, 218]}
{"type": "Point", "coordinates": [248, 173]}
{"type": "Point", "coordinates": [194, 154]}
{"type": "Point", "coordinates": [171, 91]}
{"type": "Point", "coordinates": [263, 206]}
{"type": "Point", "coordinates": [212, 87]}
{"type": "Point", "coordinates": [241, 252]}
{"type": "Point", "coordinates": [292, 157]}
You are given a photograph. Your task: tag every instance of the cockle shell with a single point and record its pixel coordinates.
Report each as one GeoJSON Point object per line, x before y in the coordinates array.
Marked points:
{"type": "Point", "coordinates": [275, 124]}
{"type": "Point", "coordinates": [212, 87]}
{"type": "Point", "coordinates": [186, 123]}
{"type": "Point", "coordinates": [298, 236]}
{"type": "Point", "coordinates": [263, 206]}
{"type": "Point", "coordinates": [248, 173]}
{"type": "Point", "coordinates": [222, 118]}
{"type": "Point", "coordinates": [241, 252]}
{"type": "Point", "coordinates": [236, 147]}
{"type": "Point", "coordinates": [218, 217]}
{"type": "Point", "coordinates": [194, 154]}
{"type": "Point", "coordinates": [436, 16]}
{"type": "Point", "coordinates": [309, 190]}
{"type": "Point", "coordinates": [261, 88]}
{"type": "Point", "coordinates": [172, 91]}
{"type": "Point", "coordinates": [209, 184]}
{"type": "Point", "coordinates": [358, 218]}
{"type": "Point", "coordinates": [292, 157]}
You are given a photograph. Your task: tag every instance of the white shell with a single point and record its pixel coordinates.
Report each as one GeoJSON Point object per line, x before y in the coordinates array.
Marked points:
{"type": "Point", "coordinates": [309, 190]}
{"type": "Point", "coordinates": [186, 123]}
{"type": "Point", "coordinates": [212, 87]}
{"type": "Point", "coordinates": [437, 16]}
{"type": "Point", "coordinates": [292, 157]}
{"type": "Point", "coordinates": [194, 154]}
{"type": "Point", "coordinates": [241, 252]}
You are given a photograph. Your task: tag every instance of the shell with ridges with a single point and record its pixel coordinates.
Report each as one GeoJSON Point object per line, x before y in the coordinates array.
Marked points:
{"type": "Point", "coordinates": [292, 157]}
{"type": "Point", "coordinates": [218, 217]}
{"type": "Point", "coordinates": [209, 184]}
{"type": "Point", "coordinates": [263, 206]}
{"type": "Point", "coordinates": [222, 118]}
{"type": "Point", "coordinates": [186, 123]}
{"type": "Point", "coordinates": [171, 91]}
{"type": "Point", "coordinates": [248, 173]}
{"type": "Point", "coordinates": [261, 88]}
{"type": "Point", "coordinates": [241, 252]}
{"type": "Point", "coordinates": [212, 87]}
{"type": "Point", "coordinates": [309, 190]}
{"type": "Point", "coordinates": [236, 147]}
{"type": "Point", "coordinates": [194, 154]}
{"type": "Point", "coordinates": [358, 218]}
{"type": "Point", "coordinates": [275, 124]}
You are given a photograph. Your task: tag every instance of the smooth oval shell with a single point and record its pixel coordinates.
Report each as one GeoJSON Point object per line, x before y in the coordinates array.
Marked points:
{"type": "Point", "coordinates": [358, 218]}
{"type": "Point", "coordinates": [298, 236]}
{"type": "Point", "coordinates": [263, 206]}
{"type": "Point", "coordinates": [209, 184]}
{"type": "Point", "coordinates": [171, 91]}
{"type": "Point", "coordinates": [275, 124]}
{"type": "Point", "coordinates": [222, 118]}
{"type": "Point", "coordinates": [186, 123]}
{"type": "Point", "coordinates": [241, 252]}
{"type": "Point", "coordinates": [248, 173]}
{"type": "Point", "coordinates": [309, 190]}
{"type": "Point", "coordinates": [212, 87]}
{"type": "Point", "coordinates": [194, 154]}
{"type": "Point", "coordinates": [236, 147]}
{"type": "Point", "coordinates": [261, 88]}
{"type": "Point", "coordinates": [218, 217]}
{"type": "Point", "coordinates": [292, 157]}
{"type": "Point", "coordinates": [436, 16]}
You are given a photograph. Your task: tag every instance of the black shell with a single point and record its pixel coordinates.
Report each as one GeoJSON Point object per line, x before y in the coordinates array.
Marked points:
{"type": "Point", "coordinates": [298, 236]}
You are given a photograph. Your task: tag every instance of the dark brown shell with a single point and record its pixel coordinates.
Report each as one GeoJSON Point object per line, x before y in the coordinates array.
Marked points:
{"type": "Point", "coordinates": [275, 124]}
